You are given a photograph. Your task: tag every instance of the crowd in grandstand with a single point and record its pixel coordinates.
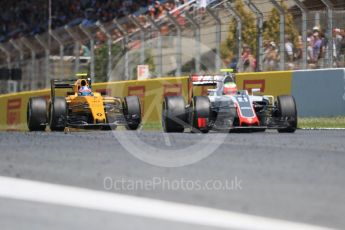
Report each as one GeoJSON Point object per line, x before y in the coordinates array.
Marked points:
{"type": "Point", "coordinates": [317, 48]}
{"type": "Point", "coordinates": [18, 19]}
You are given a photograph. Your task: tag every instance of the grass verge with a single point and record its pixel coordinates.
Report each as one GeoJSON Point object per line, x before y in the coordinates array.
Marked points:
{"type": "Point", "coordinates": [321, 122]}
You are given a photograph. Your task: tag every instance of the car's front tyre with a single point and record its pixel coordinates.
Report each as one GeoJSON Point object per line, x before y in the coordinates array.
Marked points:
{"type": "Point", "coordinates": [200, 115]}
{"type": "Point", "coordinates": [174, 115]}
{"type": "Point", "coordinates": [287, 110]}
{"type": "Point", "coordinates": [132, 112]}
{"type": "Point", "coordinates": [57, 114]}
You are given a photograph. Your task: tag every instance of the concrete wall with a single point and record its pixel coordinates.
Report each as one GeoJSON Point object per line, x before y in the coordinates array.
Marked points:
{"type": "Point", "coordinates": [319, 93]}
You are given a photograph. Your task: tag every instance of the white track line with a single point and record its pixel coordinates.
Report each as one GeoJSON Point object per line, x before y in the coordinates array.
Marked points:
{"type": "Point", "coordinates": [103, 201]}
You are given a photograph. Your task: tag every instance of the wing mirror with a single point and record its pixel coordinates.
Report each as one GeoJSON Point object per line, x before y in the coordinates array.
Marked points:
{"type": "Point", "coordinates": [256, 91]}
{"type": "Point", "coordinates": [211, 92]}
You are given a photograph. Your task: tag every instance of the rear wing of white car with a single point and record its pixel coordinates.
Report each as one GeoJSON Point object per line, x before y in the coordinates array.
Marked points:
{"type": "Point", "coordinates": [206, 80]}
{"type": "Point", "coordinates": [196, 80]}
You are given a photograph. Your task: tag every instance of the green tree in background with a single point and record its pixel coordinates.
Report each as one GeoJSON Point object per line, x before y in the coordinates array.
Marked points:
{"type": "Point", "coordinates": [149, 60]}
{"type": "Point", "coordinates": [101, 60]}
{"type": "Point", "coordinates": [271, 26]}
{"type": "Point", "coordinates": [249, 33]}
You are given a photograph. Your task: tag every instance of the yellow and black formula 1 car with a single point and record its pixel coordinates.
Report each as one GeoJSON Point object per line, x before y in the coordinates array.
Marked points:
{"type": "Point", "coordinates": [82, 108]}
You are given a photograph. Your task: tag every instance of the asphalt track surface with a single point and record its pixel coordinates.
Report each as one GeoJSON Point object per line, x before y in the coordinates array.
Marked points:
{"type": "Point", "coordinates": [295, 177]}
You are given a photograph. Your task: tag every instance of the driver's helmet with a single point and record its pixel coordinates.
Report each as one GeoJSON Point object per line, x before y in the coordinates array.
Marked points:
{"type": "Point", "coordinates": [84, 89]}
{"type": "Point", "coordinates": [229, 88]}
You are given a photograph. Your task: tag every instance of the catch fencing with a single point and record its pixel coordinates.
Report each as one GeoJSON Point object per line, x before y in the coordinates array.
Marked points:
{"type": "Point", "coordinates": [184, 40]}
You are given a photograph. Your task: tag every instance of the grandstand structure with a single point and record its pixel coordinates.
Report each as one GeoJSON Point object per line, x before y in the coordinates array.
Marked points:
{"type": "Point", "coordinates": [185, 39]}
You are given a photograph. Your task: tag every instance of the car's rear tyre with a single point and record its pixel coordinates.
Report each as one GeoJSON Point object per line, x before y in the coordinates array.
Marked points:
{"type": "Point", "coordinates": [287, 109]}
{"type": "Point", "coordinates": [36, 114]}
{"type": "Point", "coordinates": [174, 114]}
{"type": "Point", "coordinates": [57, 114]}
{"type": "Point", "coordinates": [132, 112]}
{"type": "Point", "coordinates": [200, 115]}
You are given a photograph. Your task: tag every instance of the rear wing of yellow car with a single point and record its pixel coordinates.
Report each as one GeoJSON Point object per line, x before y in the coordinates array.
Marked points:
{"type": "Point", "coordinates": [61, 84]}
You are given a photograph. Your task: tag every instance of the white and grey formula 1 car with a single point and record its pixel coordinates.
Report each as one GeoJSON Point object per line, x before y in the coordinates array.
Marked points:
{"type": "Point", "coordinates": [226, 108]}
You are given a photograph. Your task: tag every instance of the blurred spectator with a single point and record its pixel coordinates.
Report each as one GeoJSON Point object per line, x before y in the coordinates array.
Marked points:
{"type": "Point", "coordinates": [337, 42]}
{"type": "Point", "coordinates": [152, 12]}
{"type": "Point", "coordinates": [202, 6]}
{"type": "Point", "coordinates": [298, 52]}
{"type": "Point", "coordinates": [159, 9]}
{"type": "Point", "coordinates": [233, 64]}
{"type": "Point", "coordinates": [177, 14]}
{"type": "Point", "coordinates": [84, 50]}
{"type": "Point", "coordinates": [342, 48]}
{"type": "Point", "coordinates": [180, 2]}
{"type": "Point", "coordinates": [247, 62]}
{"type": "Point", "coordinates": [289, 54]}
{"type": "Point", "coordinates": [270, 57]}
{"type": "Point", "coordinates": [89, 18]}
{"type": "Point", "coordinates": [317, 47]}
{"type": "Point", "coordinates": [316, 29]}
{"type": "Point", "coordinates": [323, 49]}
{"type": "Point", "coordinates": [311, 37]}
{"type": "Point", "coordinates": [310, 54]}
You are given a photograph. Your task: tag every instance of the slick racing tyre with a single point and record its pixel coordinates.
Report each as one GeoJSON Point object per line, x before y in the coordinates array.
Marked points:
{"type": "Point", "coordinates": [57, 114]}
{"type": "Point", "coordinates": [200, 114]}
{"type": "Point", "coordinates": [36, 114]}
{"type": "Point", "coordinates": [287, 108]}
{"type": "Point", "coordinates": [174, 114]}
{"type": "Point", "coordinates": [132, 112]}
